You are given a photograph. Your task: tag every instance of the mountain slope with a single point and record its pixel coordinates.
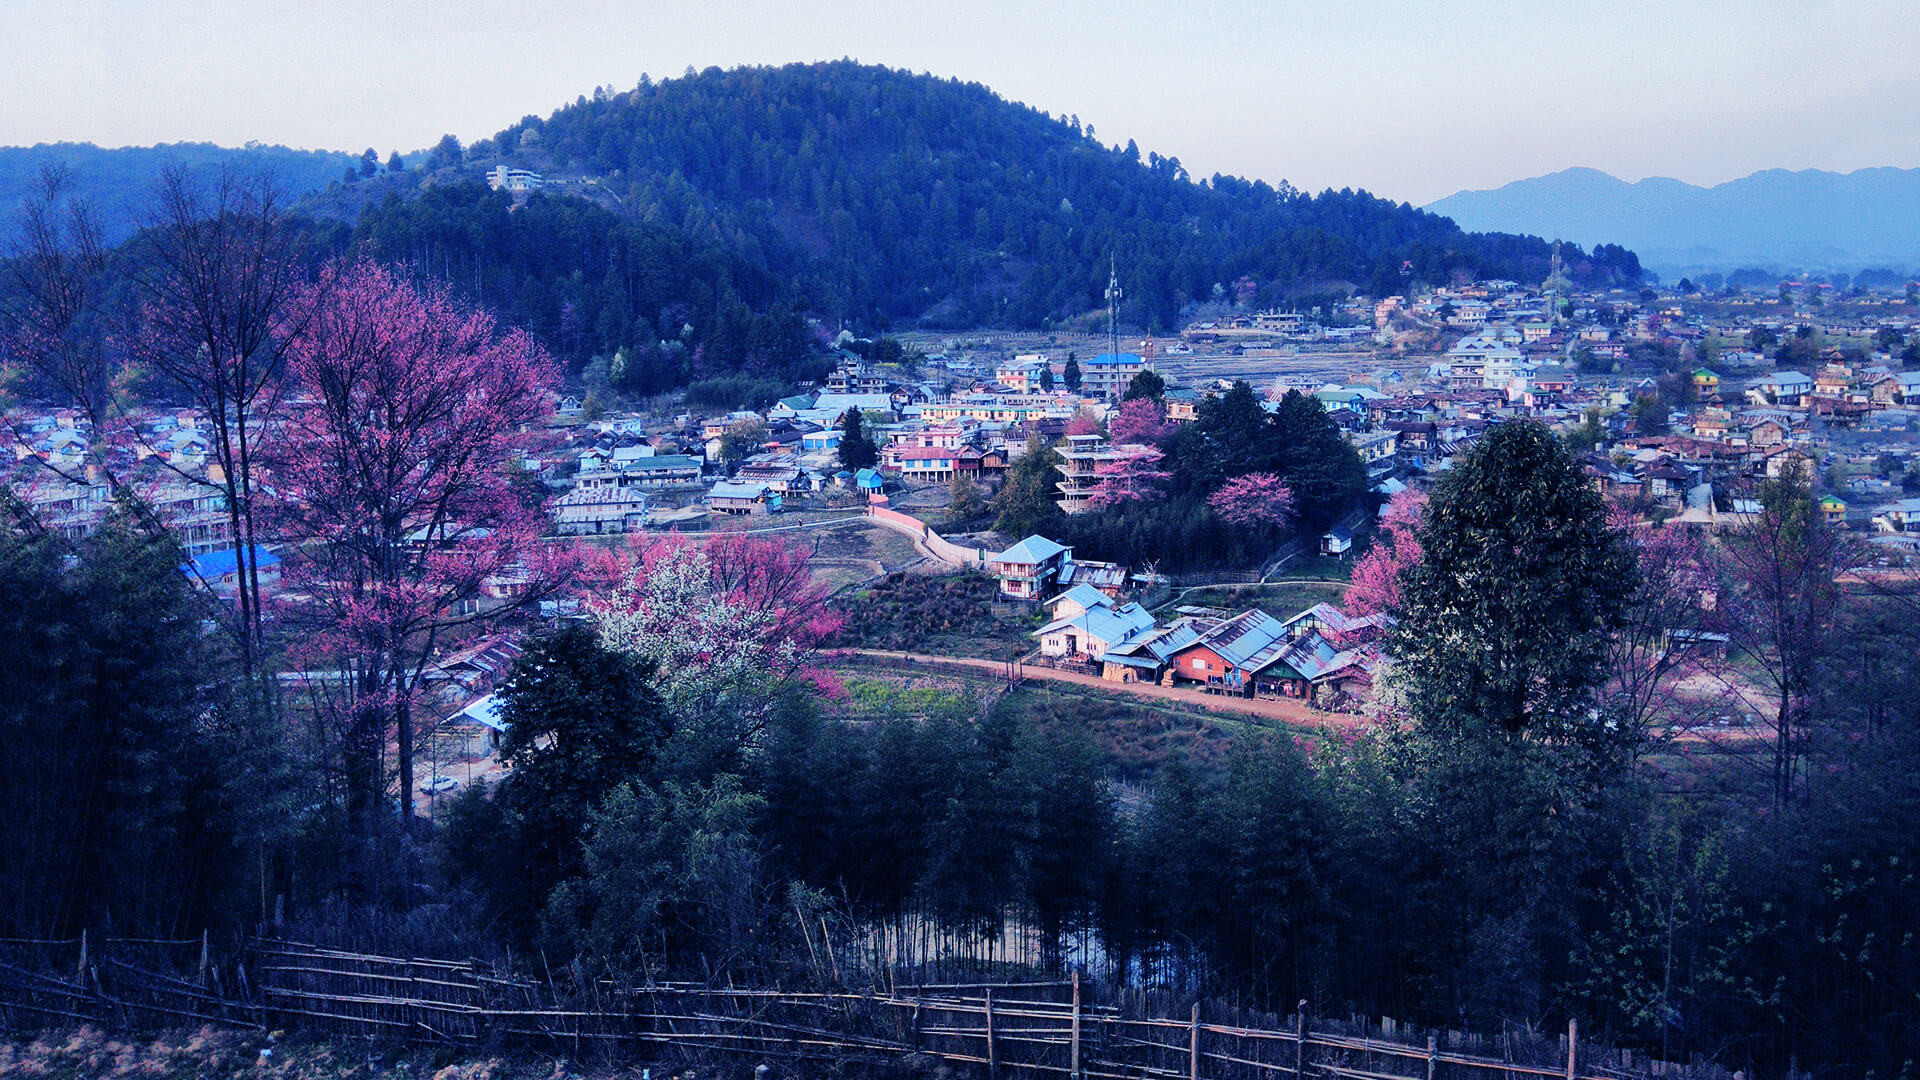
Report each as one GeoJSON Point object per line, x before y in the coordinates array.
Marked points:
{"type": "Point", "coordinates": [893, 197]}
{"type": "Point", "coordinates": [1788, 220]}
{"type": "Point", "coordinates": [119, 183]}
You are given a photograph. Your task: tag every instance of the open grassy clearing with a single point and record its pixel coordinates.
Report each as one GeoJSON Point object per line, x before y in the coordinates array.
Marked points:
{"type": "Point", "coordinates": [1280, 599]}
{"type": "Point", "coordinates": [1137, 736]}
{"type": "Point", "coordinates": [1317, 568]}
{"type": "Point", "coordinates": [861, 541]}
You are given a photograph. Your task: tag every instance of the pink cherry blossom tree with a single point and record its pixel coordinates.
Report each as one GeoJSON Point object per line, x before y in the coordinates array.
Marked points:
{"type": "Point", "coordinates": [1131, 475]}
{"type": "Point", "coordinates": [1256, 500]}
{"type": "Point", "coordinates": [1084, 423]}
{"type": "Point", "coordinates": [1141, 421]}
{"type": "Point", "coordinates": [389, 476]}
{"type": "Point", "coordinates": [1376, 577]}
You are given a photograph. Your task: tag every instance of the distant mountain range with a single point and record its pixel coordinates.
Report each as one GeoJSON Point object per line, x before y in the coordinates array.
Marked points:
{"type": "Point", "coordinates": [1780, 220]}
{"type": "Point", "coordinates": [119, 183]}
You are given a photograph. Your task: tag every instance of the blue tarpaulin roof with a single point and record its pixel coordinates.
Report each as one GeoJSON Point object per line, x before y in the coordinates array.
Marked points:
{"type": "Point", "coordinates": [221, 563]}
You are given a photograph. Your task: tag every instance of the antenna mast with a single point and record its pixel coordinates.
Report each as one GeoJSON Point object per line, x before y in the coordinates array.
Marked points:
{"type": "Point", "coordinates": [1113, 306]}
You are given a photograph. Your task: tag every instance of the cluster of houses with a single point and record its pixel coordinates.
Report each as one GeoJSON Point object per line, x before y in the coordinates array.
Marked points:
{"type": "Point", "coordinates": [1511, 352]}
{"type": "Point", "coordinates": [1722, 437]}
{"type": "Point", "coordinates": [57, 473]}
{"type": "Point", "coordinates": [1502, 352]}
{"type": "Point", "coordinates": [622, 474]}
{"type": "Point", "coordinates": [1321, 655]}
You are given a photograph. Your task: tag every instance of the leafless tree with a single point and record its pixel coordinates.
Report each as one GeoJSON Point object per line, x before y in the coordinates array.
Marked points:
{"type": "Point", "coordinates": [53, 322]}
{"type": "Point", "coordinates": [217, 284]}
{"type": "Point", "coordinates": [1782, 599]}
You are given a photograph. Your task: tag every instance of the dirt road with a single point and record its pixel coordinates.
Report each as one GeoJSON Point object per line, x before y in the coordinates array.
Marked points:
{"type": "Point", "coordinates": [1291, 712]}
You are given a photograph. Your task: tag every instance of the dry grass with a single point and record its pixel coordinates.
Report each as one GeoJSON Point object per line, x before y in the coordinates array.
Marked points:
{"type": "Point", "coordinates": [213, 1054]}
{"type": "Point", "coordinates": [1282, 599]}
{"type": "Point", "coordinates": [1137, 738]}
{"type": "Point", "coordinates": [949, 615]}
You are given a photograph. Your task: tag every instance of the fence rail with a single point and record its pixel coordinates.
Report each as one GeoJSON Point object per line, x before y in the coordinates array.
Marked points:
{"type": "Point", "coordinates": [1035, 1030]}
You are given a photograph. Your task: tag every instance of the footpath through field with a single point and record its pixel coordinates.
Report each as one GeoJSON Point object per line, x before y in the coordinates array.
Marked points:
{"type": "Point", "coordinates": [1290, 712]}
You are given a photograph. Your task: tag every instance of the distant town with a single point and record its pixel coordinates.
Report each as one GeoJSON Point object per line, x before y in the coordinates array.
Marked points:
{"type": "Point", "coordinates": [823, 569]}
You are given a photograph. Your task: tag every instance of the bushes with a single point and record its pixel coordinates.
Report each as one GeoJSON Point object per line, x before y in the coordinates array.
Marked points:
{"type": "Point", "coordinates": [939, 614]}
{"type": "Point", "coordinates": [736, 392]}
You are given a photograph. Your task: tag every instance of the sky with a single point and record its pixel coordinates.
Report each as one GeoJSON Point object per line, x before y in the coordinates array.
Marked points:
{"type": "Point", "coordinates": [1410, 99]}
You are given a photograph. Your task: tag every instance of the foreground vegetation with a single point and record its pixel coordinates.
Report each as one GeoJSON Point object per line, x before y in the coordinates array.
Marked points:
{"type": "Point", "coordinates": [688, 797]}
{"type": "Point", "coordinates": [1135, 738]}
{"type": "Point", "coordinates": [214, 1054]}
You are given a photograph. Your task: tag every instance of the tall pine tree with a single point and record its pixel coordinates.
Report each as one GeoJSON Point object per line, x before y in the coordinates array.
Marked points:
{"type": "Point", "coordinates": [1503, 625]}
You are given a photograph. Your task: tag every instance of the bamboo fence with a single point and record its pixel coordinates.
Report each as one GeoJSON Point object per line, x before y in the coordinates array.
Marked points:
{"type": "Point", "coordinates": [1030, 1030]}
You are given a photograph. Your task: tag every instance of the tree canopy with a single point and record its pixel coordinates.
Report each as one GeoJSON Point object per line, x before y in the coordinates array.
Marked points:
{"type": "Point", "coordinates": [857, 449]}
{"type": "Point", "coordinates": [1503, 623]}
{"type": "Point", "coordinates": [891, 196]}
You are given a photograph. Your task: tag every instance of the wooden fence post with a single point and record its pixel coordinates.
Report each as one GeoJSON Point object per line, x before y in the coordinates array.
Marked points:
{"type": "Point", "coordinates": [1193, 1045]}
{"type": "Point", "coordinates": [1300, 1042]}
{"type": "Point", "coordinates": [1432, 1063]}
{"type": "Point", "coordinates": [1573, 1044]}
{"type": "Point", "coordinates": [993, 1057]}
{"type": "Point", "coordinates": [1075, 1064]}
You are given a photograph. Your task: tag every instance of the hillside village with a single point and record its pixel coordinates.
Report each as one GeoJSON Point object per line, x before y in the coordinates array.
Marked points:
{"type": "Point", "coordinates": [823, 568]}
{"type": "Point", "coordinates": [1678, 404]}
{"type": "Point", "coordinates": [1674, 405]}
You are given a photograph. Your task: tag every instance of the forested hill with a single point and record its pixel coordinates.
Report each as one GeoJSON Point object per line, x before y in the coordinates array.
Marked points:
{"type": "Point", "coordinates": [118, 184]}
{"type": "Point", "coordinates": [894, 197]}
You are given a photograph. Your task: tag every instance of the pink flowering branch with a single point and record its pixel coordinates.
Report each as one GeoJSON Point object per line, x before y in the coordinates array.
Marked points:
{"type": "Point", "coordinates": [1376, 576]}
{"type": "Point", "coordinates": [1140, 422]}
{"type": "Point", "coordinates": [1134, 476]}
{"type": "Point", "coordinates": [1256, 500]}
{"type": "Point", "coordinates": [388, 473]}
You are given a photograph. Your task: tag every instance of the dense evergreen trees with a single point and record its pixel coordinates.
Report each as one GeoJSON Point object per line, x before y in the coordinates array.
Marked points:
{"type": "Point", "coordinates": [889, 196]}
{"type": "Point", "coordinates": [1503, 624]}
{"type": "Point", "coordinates": [1462, 869]}
{"type": "Point", "coordinates": [588, 281]}
{"type": "Point", "coordinates": [1027, 501]}
{"type": "Point", "coordinates": [581, 721]}
{"type": "Point", "coordinates": [857, 450]}
{"type": "Point", "coordinates": [726, 208]}
{"type": "Point", "coordinates": [135, 791]}
{"type": "Point", "coordinates": [1233, 437]}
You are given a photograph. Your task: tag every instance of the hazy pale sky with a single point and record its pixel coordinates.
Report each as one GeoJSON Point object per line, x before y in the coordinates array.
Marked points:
{"type": "Point", "coordinates": [1410, 99]}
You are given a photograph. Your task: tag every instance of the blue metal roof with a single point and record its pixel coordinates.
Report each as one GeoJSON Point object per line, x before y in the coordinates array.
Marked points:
{"type": "Point", "coordinates": [1034, 549]}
